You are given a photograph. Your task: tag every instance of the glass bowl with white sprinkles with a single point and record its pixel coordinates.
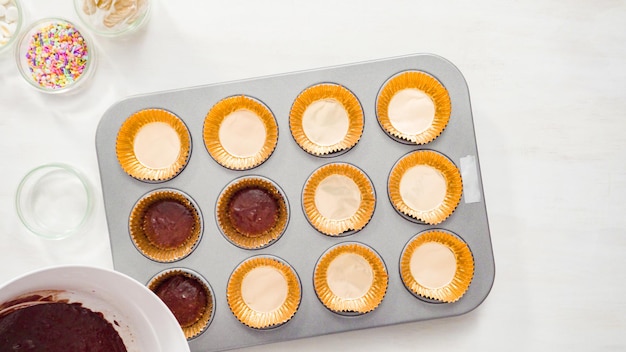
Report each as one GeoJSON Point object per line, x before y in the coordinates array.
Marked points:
{"type": "Point", "coordinates": [55, 56]}
{"type": "Point", "coordinates": [11, 17]}
{"type": "Point", "coordinates": [113, 18]}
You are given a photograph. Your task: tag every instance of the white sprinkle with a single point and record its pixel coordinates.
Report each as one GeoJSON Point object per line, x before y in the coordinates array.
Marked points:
{"type": "Point", "coordinates": [5, 30]}
{"type": "Point", "coordinates": [12, 14]}
{"type": "Point", "coordinates": [4, 2]}
{"type": "Point", "coordinates": [3, 11]}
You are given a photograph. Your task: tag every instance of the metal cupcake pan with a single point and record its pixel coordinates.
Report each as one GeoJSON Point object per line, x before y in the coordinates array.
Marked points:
{"type": "Point", "coordinates": [289, 166]}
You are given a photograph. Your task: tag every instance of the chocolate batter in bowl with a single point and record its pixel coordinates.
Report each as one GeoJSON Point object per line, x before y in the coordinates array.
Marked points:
{"type": "Point", "coordinates": [140, 319]}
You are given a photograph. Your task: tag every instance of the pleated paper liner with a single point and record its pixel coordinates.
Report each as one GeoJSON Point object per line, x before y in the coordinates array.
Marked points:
{"type": "Point", "coordinates": [125, 145]}
{"type": "Point", "coordinates": [204, 319]}
{"type": "Point", "coordinates": [332, 93]}
{"type": "Point", "coordinates": [458, 286]}
{"type": "Point", "coordinates": [352, 306]}
{"type": "Point", "coordinates": [141, 239]}
{"type": "Point", "coordinates": [339, 226]}
{"type": "Point", "coordinates": [230, 231]}
{"type": "Point", "coordinates": [263, 319]}
{"type": "Point", "coordinates": [218, 114]}
{"type": "Point", "coordinates": [447, 169]}
{"type": "Point", "coordinates": [425, 83]}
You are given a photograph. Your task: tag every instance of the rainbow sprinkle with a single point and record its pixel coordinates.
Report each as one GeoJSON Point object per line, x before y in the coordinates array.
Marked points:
{"type": "Point", "coordinates": [57, 55]}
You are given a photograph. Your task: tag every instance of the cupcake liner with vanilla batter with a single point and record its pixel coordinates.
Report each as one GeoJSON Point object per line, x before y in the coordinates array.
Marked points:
{"type": "Point", "coordinates": [326, 119]}
{"type": "Point", "coordinates": [153, 145]}
{"type": "Point", "coordinates": [350, 279]}
{"type": "Point", "coordinates": [240, 132]}
{"type": "Point", "coordinates": [406, 189]}
{"type": "Point", "coordinates": [418, 279]}
{"type": "Point", "coordinates": [268, 303]}
{"type": "Point", "coordinates": [417, 86]}
{"type": "Point", "coordinates": [338, 199]}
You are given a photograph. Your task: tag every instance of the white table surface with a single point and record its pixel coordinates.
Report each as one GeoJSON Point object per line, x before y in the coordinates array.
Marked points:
{"type": "Point", "coordinates": [548, 87]}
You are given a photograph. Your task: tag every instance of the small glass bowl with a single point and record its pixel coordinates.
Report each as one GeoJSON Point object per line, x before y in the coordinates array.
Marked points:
{"type": "Point", "coordinates": [54, 201]}
{"type": "Point", "coordinates": [113, 22]}
{"type": "Point", "coordinates": [18, 26]}
{"type": "Point", "coordinates": [68, 77]}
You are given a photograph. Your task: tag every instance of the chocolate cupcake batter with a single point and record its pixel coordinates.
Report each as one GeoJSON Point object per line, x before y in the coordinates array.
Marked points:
{"type": "Point", "coordinates": [185, 297]}
{"type": "Point", "coordinates": [253, 211]}
{"type": "Point", "coordinates": [168, 224]}
{"type": "Point", "coordinates": [58, 327]}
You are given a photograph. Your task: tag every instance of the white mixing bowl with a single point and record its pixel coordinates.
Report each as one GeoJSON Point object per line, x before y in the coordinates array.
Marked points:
{"type": "Point", "coordinates": [145, 322]}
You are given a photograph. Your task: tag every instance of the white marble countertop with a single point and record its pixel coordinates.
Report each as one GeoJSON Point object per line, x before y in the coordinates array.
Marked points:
{"type": "Point", "coordinates": [547, 81]}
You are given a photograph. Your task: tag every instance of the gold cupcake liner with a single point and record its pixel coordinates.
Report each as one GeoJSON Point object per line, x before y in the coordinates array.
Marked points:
{"type": "Point", "coordinates": [143, 243]}
{"type": "Point", "coordinates": [334, 227]}
{"type": "Point", "coordinates": [198, 327]}
{"type": "Point", "coordinates": [427, 84]}
{"type": "Point", "coordinates": [464, 269]}
{"type": "Point", "coordinates": [124, 146]}
{"type": "Point", "coordinates": [263, 320]}
{"type": "Point", "coordinates": [371, 300]}
{"type": "Point", "coordinates": [454, 185]}
{"type": "Point", "coordinates": [231, 233]}
{"type": "Point", "coordinates": [326, 91]}
{"type": "Point", "coordinates": [211, 130]}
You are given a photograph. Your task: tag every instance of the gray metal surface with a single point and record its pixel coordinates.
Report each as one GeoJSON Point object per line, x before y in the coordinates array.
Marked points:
{"type": "Point", "coordinates": [289, 166]}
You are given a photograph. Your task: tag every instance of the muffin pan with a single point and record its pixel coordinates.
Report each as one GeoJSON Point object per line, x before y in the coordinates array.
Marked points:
{"type": "Point", "coordinates": [343, 267]}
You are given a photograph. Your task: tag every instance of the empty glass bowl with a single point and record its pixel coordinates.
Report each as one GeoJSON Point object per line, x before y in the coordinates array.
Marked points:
{"type": "Point", "coordinates": [54, 201]}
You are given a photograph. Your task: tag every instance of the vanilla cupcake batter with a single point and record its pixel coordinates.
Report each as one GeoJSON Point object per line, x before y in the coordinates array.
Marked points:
{"type": "Point", "coordinates": [337, 197]}
{"type": "Point", "coordinates": [325, 122]}
{"type": "Point", "coordinates": [242, 133]}
{"type": "Point", "coordinates": [433, 265]}
{"type": "Point", "coordinates": [411, 111]}
{"type": "Point", "coordinates": [423, 188]}
{"type": "Point", "coordinates": [350, 276]}
{"type": "Point", "coordinates": [156, 145]}
{"type": "Point", "coordinates": [264, 289]}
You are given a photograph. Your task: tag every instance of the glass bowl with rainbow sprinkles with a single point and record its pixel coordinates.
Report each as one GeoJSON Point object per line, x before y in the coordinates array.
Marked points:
{"type": "Point", "coordinates": [55, 56]}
